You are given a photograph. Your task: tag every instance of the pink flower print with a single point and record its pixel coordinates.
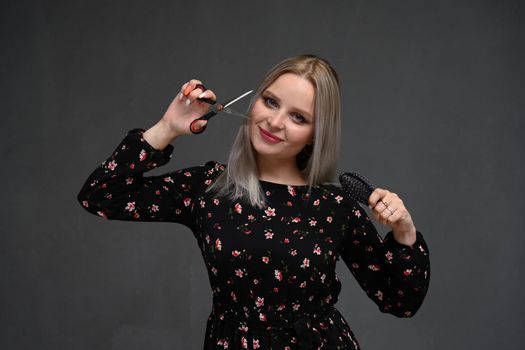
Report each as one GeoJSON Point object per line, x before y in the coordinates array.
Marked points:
{"type": "Point", "coordinates": [389, 256]}
{"type": "Point", "coordinates": [293, 252]}
{"type": "Point", "coordinates": [374, 267]}
{"type": "Point", "coordinates": [236, 253]}
{"type": "Point", "coordinates": [214, 271]}
{"type": "Point", "coordinates": [265, 259]}
{"type": "Point", "coordinates": [238, 208]}
{"type": "Point", "coordinates": [262, 317]}
{"type": "Point", "coordinates": [101, 213]}
{"type": "Point", "coordinates": [303, 285]}
{"type": "Point", "coordinates": [208, 182]}
{"type": "Point", "coordinates": [178, 211]}
{"type": "Point", "coordinates": [168, 179]}
{"type": "Point", "coordinates": [270, 212]}
{"type": "Point", "coordinates": [289, 204]}
{"type": "Point", "coordinates": [259, 302]}
{"type": "Point", "coordinates": [216, 201]}
{"type": "Point", "coordinates": [207, 238]}
{"type": "Point", "coordinates": [233, 296]}
{"type": "Point", "coordinates": [268, 193]}
{"type": "Point", "coordinates": [129, 180]}
{"type": "Point", "coordinates": [379, 295]}
{"type": "Point", "coordinates": [296, 220]}
{"type": "Point", "coordinates": [278, 275]}
{"type": "Point", "coordinates": [329, 219]}
{"type": "Point", "coordinates": [407, 272]}
{"type": "Point", "coordinates": [338, 199]}
{"type": "Point", "coordinates": [291, 190]}
{"type": "Point", "coordinates": [243, 328]}
{"type": "Point", "coordinates": [255, 281]}
{"type": "Point", "coordinates": [357, 213]}
{"type": "Point", "coordinates": [112, 165]}
{"type": "Point", "coordinates": [251, 218]}
{"type": "Point", "coordinates": [187, 174]}
{"type": "Point", "coordinates": [239, 273]}
{"type": "Point", "coordinates": [306, 263]}
{"type": "Point", "coordinates": [313, 222]}
{"type": "Point", "coordinates": [218, 244]}
{"type": "Point", "coordinates": [85, 204]}
{"type": "Point", "coordinates": [143, 154]}
{"type": "Point", "coordinates": [316, 202]}
{"type": "Point", "coordinates": [269, 234]}
{"type": "Point", "coordinates": [256, 343]}
{"type": "Point", "coordinates": [323, 277]}
{"type": "Point", "coordinates": [281, 307]}
{"type": "Point", "coordinates": [125, 147]}
{"type": "Point", "coordinates": [132, 166]}
{"type": "Point", "coordinates": [130, 207]}
{"type": "Point", "coordinates": [244, 343]}
{"type": "Point", "coordinates": [286, 241]}
{"type": "Point", "coordinates": [202, 203]}
{"type": "Point", "coordinates": [296, 307]}
{"type": "Point", "coordinates": [154, 208]}
{"type": "Point", "coordinates": [187, 201]}
{"type": "Point", "coordinates": [317, 250]}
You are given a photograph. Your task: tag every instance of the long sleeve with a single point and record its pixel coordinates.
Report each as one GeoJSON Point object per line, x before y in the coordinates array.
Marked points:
{"type": "Point", "coordinates": [395, 276]}
{"type": "Point", "coordinates": [117, 189]}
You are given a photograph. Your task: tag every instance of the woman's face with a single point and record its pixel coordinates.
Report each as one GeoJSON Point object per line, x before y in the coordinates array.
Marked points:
{"type": "Point", "coordinates": [282, 118]}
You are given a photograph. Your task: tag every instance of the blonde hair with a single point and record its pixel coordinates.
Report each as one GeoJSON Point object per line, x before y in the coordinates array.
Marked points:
{"type": "Point", "coordinates": [317, 162]}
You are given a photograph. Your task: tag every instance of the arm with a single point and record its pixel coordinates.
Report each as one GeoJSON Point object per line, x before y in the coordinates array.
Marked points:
{"type": "Point", "coordinates": [117, 189]}
{"type": "Point", "coordinates": [394, 275]}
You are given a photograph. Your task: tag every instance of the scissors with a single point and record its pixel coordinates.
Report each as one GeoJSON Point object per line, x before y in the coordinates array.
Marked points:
{"type": "Point", "coordinates": [217, 107]}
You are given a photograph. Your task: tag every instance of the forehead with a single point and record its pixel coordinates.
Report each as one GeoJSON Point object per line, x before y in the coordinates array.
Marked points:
{"type": "Point", "coordinates": [294, 91]}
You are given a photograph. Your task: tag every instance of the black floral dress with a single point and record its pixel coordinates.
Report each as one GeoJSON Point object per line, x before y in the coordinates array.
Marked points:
{"type": "Point", "coordinates": [271, 270]}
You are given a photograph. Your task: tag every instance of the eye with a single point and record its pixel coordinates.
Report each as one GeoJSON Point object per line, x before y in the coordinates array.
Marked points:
{"type": "Point", "coordinates": [299, 118]}
{"type": "Point", "coordinates": [270, 102]}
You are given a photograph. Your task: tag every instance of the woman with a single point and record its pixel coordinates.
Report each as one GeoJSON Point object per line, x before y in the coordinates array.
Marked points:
{"type": "Point", "coordinates": [269, 224]}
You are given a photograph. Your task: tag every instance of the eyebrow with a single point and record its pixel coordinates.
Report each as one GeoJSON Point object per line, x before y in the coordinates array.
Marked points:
{"type": "Point", "coordinates": [274, 96]}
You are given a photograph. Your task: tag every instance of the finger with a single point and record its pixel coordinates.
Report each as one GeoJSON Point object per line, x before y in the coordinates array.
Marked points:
{"type": "Point", "coordinates": [378, 194]}
{"type": "Point", "coordinates": [208, 94]}
{"type": "Point", "coordinates": [395, 217]}
{"type": "Point", "coordinates": [191, 86]}
{"type": "Point", "coordinates": [192, 96]}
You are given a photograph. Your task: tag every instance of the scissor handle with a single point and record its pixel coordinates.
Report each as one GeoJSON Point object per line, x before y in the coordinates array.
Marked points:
{"type": "Point", "coordinates": [195, 129]}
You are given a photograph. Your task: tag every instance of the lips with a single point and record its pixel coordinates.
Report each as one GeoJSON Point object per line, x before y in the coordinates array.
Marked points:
{"type": "Point", "coordinates": [269, 136]}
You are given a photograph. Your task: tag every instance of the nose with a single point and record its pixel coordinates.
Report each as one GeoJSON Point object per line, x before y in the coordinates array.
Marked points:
{"type": "Point", "coordinates": [276, 120]}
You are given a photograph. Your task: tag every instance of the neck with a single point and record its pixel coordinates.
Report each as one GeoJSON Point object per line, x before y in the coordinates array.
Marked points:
{"type": "Point", "coordinates": [280, 171]}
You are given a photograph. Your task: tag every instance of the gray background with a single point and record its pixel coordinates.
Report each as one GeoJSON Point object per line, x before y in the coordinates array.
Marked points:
{"type": "Point", "coordinates": [432, 109]}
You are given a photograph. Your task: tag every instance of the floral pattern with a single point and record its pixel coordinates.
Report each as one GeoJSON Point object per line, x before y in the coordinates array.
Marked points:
{"type": "Point", "coordinates": [271, 270]}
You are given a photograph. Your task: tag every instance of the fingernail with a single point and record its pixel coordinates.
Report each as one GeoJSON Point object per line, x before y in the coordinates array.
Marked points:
{"type": "Point", "coordinates": [180, 96]}
{"type": "Point", "coordinates": [188, 101]}
{"type": "Point", "coordinates": [202, 95]}
{"type": "Point", "coordinates": [187, 90]}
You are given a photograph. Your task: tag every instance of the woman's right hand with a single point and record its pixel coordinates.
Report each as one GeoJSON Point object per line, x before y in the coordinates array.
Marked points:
{"type": "Point", "coordinates": [185, 108]}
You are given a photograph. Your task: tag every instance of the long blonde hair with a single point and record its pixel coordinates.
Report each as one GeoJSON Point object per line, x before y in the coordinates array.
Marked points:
{"type": "Point", "coordinates": [317, 162]}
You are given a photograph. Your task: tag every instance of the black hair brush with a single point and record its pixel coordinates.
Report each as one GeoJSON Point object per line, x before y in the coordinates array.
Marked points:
{"type": "Point", "coordinates": [356, 186]}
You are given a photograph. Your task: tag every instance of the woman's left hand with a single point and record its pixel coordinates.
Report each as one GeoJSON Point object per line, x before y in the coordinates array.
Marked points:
{"type": "Point", "coordinates": [389, 210]}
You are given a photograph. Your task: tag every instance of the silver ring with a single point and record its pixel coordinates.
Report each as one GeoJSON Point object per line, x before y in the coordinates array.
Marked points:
{"type": "Point", "coordinates": [384, 203]}
{"type": "Point", "coordinates": [390, 210]}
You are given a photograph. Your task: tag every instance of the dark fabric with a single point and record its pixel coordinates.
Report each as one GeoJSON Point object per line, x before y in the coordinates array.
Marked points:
{"type": "Point", "coordinates": [271, 270]}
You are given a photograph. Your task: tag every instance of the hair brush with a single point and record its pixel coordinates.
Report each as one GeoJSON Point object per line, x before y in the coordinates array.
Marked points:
{"type": "Point", "coordinates": [356, 186]}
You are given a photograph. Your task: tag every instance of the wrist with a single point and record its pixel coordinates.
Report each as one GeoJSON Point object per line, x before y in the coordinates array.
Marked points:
{"type": "Point", "coordinates": [406, 236]}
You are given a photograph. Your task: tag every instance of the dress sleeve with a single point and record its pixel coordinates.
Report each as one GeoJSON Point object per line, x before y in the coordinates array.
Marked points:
{"type": "Point", "coordinates": [118, 190]}
{"type": "Point", "coordinates": [395, 276]}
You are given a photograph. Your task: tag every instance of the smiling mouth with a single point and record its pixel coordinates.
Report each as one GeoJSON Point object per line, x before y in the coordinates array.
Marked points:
{"type": "Point", "coordinates": [268, 136]}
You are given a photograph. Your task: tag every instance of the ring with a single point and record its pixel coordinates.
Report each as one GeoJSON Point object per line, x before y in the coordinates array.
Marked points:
{"type": "Point", "coordinates": [390, 210]}
{"type": "Point", "coordinates": [385, 203]}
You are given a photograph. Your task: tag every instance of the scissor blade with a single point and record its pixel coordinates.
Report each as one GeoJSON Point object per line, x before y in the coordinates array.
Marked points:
{"type": "Point", "coordinates": [237, 99]}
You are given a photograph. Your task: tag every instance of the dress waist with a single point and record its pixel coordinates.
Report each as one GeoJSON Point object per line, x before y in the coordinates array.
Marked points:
{"type": "Point", "coordinates": [305, 327]}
